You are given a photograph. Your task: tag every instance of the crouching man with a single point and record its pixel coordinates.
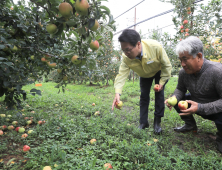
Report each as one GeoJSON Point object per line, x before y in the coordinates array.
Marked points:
{"type": "Point", "coordinates": [203, 79]}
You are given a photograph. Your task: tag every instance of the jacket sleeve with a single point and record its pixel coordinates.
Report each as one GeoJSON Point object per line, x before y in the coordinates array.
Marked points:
{"type": "Point", "coordinates": [180, 89]}
{"type": "Point", "coordinates": [121, 77]}
{"type": "Point", "coordinates": [215, 106]}
{"type": "Point", "coordinates": [166, 66]}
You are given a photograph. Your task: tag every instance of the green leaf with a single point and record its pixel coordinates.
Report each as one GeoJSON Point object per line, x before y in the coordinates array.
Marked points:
{"type": "Point", "coordinates": [2, 47]}
{"type": "Point", "coordinates": [71, 23]}
{"type": "Point", "coordinates": [105, 8]}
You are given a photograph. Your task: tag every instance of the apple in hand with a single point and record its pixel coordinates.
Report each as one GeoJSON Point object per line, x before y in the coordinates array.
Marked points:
{"type": "Point", "coordinates": [119, 105]}
{"type": "Point", "coordinates": [156, 87]}
{"type": "Point", "coordinates": [183, 105]}
{"type": "Point", "coordinates": [172, 101]}
{"type": "Point", "coordinates": [26, 148]}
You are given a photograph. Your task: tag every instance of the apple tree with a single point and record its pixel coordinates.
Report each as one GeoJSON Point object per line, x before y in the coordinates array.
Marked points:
{"type": "Point", "coordinates": [46, 35]}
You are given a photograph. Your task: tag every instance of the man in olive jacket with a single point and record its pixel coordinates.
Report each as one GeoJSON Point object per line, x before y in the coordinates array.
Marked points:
{"type": "Point", "coordinates": [150, 61]}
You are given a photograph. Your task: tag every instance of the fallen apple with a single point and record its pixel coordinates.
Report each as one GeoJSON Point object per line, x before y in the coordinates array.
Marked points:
{"type": "Point", "coordinates": [107, 166]}
{"type": "Point", "coordinates": [172, 101]}
{"type": "Point", "coordinates": [93, 104]}
{"type": "Point", "coordinates": [47, 168]}
{"type": "Point", "coordinates": [183, 105]}
{"type": "Point", "coordinates": [11, 127]}
{"type": "Point", "coordinates": [4, 127]}
{"type": "Point", "coordinates": [39, 122]}
{"type": "Point", "coordinates": [156, 87]}
{"type": "Point", "coordinates": [93, 141]}
{"type": "Point", "coordinates": [96, 113]}
{"type": "Point", "coordinates": [1, 132]}
{"type": "Point", "coordinates": [14, 123]}
{"type": "Point", "coordinates": [21, 130]}
{"type": "Point", "coordinates": [28, 122]}
{"type": "Point", "coordinates": [2, 115]}
{"type": "Point", "coordinates": [9, 115]}
{"type": "Point", "coordinates": [17, 129]}
{"type": "Point", "coordinates": [30, 131]}
{"type": "Point", "coordinates": [24, 136]}
{"type": "Point", "coordinates": [26, 148]}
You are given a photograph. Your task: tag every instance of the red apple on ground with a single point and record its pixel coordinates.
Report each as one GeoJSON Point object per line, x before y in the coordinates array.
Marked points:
{"type": "Point", "coordinates": [94, 45]}
{"type": "Point", "coordinates": [107, 166]}
{"type": "Point", "coordinates": [10, 127]}
{"type": "Point", "coordinates": [21, 130]}
{"type": "Point", "coordinates": [183, 105]}
{"type": "Point", "coordinates": [51, 28]}
{"type": "Point", "coordinates": [82, 7]}
{"type": "Point", "coordinates": [65, 9]}
{"type": "Point", "coordinates": [39, 122]}
{"type": "Point", "coordinates": [156, 87]}
{"type": "Point", "coordinates": [26, 148]}
{"type": "Point", "coordinates": [172, 101]}
{"type": "Point", "coordinates": [93, 104]}
{"type": "Point", "coordinates": [17, 129]}
{"type": "Point", "coordinates": [4, 127]}
{"type": "Point", "coordinates": [93, 141]}
{"type": "Point", "coordinates": [1, 132]}
{"type": "Point", "coordinates": [24, 136]}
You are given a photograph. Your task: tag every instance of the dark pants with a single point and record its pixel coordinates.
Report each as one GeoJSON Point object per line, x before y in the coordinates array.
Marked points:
{"type": "Point", "coordinates": [217, 118]}
{"type": "Point", "coordinates": [145, 85]}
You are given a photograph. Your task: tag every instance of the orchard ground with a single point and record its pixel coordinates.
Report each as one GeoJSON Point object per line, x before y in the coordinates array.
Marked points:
{"type": "Point", "coordinates": [63, 142]}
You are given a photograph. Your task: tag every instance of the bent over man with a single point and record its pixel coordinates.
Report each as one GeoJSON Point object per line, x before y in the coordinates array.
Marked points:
{"type": "Point", "coordinates": [203, 79]}
{"type": "Point", "coordinates": [150, 61]}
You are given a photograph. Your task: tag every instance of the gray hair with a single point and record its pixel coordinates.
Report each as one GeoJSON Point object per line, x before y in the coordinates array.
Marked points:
{"type": "Point", "coordinates": [192, 45]}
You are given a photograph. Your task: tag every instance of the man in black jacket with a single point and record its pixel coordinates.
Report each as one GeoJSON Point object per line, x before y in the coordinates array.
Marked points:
{"type": "Point", "coordinates": [203, 79]}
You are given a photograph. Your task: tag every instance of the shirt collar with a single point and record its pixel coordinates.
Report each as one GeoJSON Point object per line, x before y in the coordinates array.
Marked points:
{"type": "Point", "coordinates": [140, 57]}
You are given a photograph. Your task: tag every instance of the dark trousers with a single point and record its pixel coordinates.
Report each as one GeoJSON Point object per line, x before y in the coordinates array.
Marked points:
{"type": "Point", "coordinates": [145, 85]}
{"type": "Point", "coordinates": [217, 118]}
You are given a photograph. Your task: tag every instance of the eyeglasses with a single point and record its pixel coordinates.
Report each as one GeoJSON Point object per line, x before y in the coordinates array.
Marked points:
{"type": "Point", "coordinates": [128, 50]}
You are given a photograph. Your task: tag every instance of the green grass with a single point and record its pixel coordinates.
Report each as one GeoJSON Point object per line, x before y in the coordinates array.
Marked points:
{"type": "Point", "coordinates": [70, 125]}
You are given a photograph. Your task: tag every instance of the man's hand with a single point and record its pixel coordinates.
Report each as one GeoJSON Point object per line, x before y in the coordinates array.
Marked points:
{"type": "Point", "coordinates": [116, 99]}
{"type": "Point", "coordinates": [193, 108]}
{"type": "Point", "coordinates": [161, 87]}
{"type": "Point", "coordinates": [168, 105]}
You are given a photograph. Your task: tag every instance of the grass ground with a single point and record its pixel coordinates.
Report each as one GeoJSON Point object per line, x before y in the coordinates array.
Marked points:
{"type": "Point", "coordinates": [63, 142]}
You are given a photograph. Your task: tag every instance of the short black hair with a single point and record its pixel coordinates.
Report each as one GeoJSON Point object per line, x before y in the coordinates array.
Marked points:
{"type": "Point", "coordinates": [131, 36]}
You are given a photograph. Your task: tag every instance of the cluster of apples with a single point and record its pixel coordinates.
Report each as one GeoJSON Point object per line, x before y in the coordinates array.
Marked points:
{"type": "Point", "coordinates": [184, 27]}
{"type": "Point", "coordinates": [19, 129]}
{"type": "Point", "coordinates": [182, 105]}
{"type": "Point", "coordinates": [106, 166]}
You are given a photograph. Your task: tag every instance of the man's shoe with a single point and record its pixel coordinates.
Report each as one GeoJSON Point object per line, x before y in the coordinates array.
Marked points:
{"type": "Point", "coordinates": [157, 127]}
{"type": "Point", "coordinates": [186, 128]}
{"type": "Point", "coordinates": [143, 126]}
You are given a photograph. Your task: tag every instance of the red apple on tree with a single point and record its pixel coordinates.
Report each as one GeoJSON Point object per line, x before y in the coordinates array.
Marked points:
{"type": "Point", "coordinates": [82, 7]}
{"type": "Point", "coordinates": [156, 87]}
{"type": "Point", "coordinates": [65, 9]}
{"type": "Point", "coordinates": [94, 45]}
{"type": "Point", "coordinates": [185, 21]}
{"type": "Point", "coordinates": [26, 148]}
{"type": "Point", "coordinates": [187, 30]}
{"type": "Point", "coordinates": [75, 59]}
{"type": "Point", "coordinates": [181, 27]}
{"type": "Point", "coordinates": [183, 105]}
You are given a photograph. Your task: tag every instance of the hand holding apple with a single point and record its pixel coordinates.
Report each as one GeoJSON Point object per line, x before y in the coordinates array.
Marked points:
{"type": "Point", "coordinates": [183, 105]}
{"type": "Point", "coordinates": [119, 105]}
{"type": "Point", "coordinates": [156, 87]}
{"type": "Point", "coordinates": [191, 110]}
{"type": "Point", "coordinates": [172, 101]}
